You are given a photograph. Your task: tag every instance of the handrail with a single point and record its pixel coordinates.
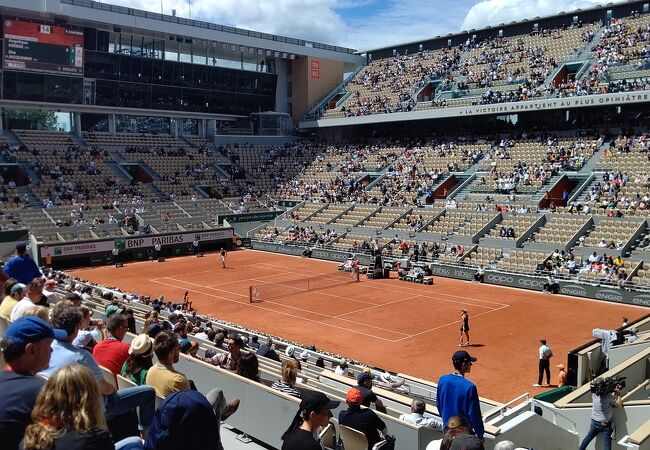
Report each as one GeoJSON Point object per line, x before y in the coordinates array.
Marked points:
{"type": "Point", "coordinates": [556, 413]}
{"type": "Point", "coordinates": [502, 409]}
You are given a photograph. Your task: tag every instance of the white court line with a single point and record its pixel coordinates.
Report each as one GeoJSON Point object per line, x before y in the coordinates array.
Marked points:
{"type": "Point", "coordinates": [433, 296]}
{"type": "Point", "coordinates": [320, 292]}
{"type": "Point", "coordinates": [232, 282]}
{"type": "Point", "coordinates": [253, 305]}
{"type": "Point", "coordinates": [376, 306]}
{"type": "Point", "coordinates": [405, 289]}
{"type": "Point", "coordinates": [289, 306]}
{"type": "Point", "coordinates": [218, 270]}
{"type": "Point", "coordinates": [450, 323]}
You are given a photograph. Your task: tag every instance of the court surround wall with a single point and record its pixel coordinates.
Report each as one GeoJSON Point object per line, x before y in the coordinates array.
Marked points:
{"type": "Point", "coordinates": [535, 283]}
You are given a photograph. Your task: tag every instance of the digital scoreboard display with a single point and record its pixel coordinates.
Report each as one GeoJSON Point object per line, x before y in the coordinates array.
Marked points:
{"type": "Point", "coordinates": [42, 48]}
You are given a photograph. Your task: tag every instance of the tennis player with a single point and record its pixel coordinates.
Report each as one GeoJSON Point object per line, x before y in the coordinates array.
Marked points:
{"type": "Point", "coordinates": [222, 255]}
{"type": "Point", "coordinates": [464, 328]}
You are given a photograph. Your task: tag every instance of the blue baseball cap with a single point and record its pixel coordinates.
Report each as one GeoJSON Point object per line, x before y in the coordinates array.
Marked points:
{"type": "Point", "coordinates": [31, 329]}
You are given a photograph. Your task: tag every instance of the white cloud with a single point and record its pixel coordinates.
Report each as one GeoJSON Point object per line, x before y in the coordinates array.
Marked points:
{"type": "Point", "coordinates": [314, 20]}
{"type": "Point", "coordinates": [494, 12]}
{"type": "Point", "coordinates": [389, 22]}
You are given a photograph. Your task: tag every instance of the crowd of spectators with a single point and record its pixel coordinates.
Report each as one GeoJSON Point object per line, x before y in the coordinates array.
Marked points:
{"type": "Point", "coordinates": [605, 268]}
{"type": "Point", "coordinates": [388, 85]}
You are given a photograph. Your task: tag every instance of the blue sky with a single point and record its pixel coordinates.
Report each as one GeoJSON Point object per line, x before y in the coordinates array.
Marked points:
{"type": "Point", "coordinates": [361, 24]}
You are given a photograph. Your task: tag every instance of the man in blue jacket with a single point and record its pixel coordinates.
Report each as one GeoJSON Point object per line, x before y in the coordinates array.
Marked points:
{"type": "Point", "coordinates": [21, 267]}
{"type": "Point", "coordinates": [457, 396]}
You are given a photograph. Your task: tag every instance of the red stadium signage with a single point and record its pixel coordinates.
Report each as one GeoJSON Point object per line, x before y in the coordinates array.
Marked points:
{"type": "Point", "coordinates": [315, 69]}
{"type": "Point", "coordinates": [42, 48]}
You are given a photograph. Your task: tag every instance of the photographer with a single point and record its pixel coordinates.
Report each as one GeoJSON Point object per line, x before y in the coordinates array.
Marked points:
{"type": "Point", "coordinates": [605, 395]}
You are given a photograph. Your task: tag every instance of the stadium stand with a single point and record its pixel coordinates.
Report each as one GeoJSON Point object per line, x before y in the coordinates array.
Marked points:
{"type": "Point", "coordinates": [551, 193]}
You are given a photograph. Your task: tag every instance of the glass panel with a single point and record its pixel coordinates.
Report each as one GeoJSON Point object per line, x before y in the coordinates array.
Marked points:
{"type": "Point", "coordinates": [147, 74]}
{"type": "Point", "coordinates": [125, 68]}
{"type": "Point", "coordinates": [105, 93]}
{"type": "Point", "coordinates": [157, 72]}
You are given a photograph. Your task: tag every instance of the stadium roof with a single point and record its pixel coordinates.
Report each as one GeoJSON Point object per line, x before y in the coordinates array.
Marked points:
{"type": "Point", "coordinates": [88, 12]}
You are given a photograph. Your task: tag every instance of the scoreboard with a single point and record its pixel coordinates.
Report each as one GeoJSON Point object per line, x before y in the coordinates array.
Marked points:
{"type": "Point", "coordinates": [42, 48]}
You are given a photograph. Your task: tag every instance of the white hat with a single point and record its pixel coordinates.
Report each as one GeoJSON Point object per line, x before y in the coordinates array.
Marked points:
{"type": "Point", "coordinates": [141, 345]}
{"type": "Point", "coordinates": [304, 355]}
{"type": "Point", "coordinates": [290, 350]}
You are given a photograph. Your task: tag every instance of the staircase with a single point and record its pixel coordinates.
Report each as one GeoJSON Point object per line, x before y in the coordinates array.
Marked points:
{"type": "Point", "coordinates": [537, 196]}
{"type": "Point", "coordinates": [590, 165]}
{"type": "Point", "coordinates": [155, 191]}
{"type": "Point", "coordinates": [26, 193]}
{"type": "Point", "coordinates": [12, 138]}
{"type": "Point", "coordinates": [77, 140]}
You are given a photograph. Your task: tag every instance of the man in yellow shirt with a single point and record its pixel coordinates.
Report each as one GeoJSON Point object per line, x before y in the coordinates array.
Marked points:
{"type": "Point", "coordinates": [165, 379]}
{"type": "Point", "coordinates": [618, 261]}
{"type": "Point", "coordinates": [162, 376]}
{"type": "Point", "coordinates": [15, 294]}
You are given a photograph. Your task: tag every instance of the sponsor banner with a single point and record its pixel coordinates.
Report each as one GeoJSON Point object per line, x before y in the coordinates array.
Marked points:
{"type": "Point", "coordinates": [459, 273]}
{"type": "Point", "coordinates": [79, 248]}
{"type": "Point", "coordinates": [517, 281]}
{"type": "Point", "coordinates": [585, 101]}
{"type": "Point", "coordinates": [278, 248]}
{"type": "Point", "coordinates": [289, 203]}
{"type": "Point", "coordinates": [609, 294]}
{"type": "Point", "coordinates": [616, 295]}
{"type": "Point", "coordinates": [332, 255]}
{"type": "Point", "coordinates": [366, 260]}
{"type": "Point", "coordinates": [171, 239]}
{"type": "Point", "coordinates": [128, 243]}
{"type": "Point", "coordinates": [264, 216]}
{"type": "Point", "coordinates": [315, 69]}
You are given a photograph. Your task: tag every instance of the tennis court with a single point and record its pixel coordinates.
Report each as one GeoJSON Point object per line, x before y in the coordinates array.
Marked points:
{"type": "Point", "coordinates": [402, 327]}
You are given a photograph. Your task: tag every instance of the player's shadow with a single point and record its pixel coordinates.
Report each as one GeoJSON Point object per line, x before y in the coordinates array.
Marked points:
{"type": "Point", "coordinates": [476, 345]}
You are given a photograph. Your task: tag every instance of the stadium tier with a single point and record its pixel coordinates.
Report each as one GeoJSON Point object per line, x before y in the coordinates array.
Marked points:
{"type": "Point", "coordinates": [502, 170]}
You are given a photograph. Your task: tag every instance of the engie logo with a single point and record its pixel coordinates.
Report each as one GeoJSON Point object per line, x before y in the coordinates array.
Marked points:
{"type": "Point", "coordinates": [609, 296]}
{"type": "Point", "coordinates": [573, 289]}
{"type": "Point", "coordinates": [643, 300]}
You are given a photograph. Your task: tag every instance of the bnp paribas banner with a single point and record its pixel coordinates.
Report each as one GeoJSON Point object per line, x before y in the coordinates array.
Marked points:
{"type": "Point", "coordinates": [128, 243]}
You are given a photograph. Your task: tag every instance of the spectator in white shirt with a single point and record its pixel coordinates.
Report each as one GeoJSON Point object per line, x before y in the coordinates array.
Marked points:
{"type": "Point", "coordinates": [416, 416]}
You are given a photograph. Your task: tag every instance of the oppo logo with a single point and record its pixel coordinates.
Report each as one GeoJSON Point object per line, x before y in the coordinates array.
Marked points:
{"type": "Point", "coordinates": [610, 296]}
{"type": "Point", "coordinates": [528, 282]}
{"type": "Point", "coordinates": [572, 289]}
{"type": "Point", "coordinates": [641, 300]}
{"type": "Point", "coordinates": [501, 279]}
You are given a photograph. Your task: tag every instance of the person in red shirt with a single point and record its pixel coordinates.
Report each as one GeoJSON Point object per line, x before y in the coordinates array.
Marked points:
{"type": "Point", "coordinates": [112, 352]}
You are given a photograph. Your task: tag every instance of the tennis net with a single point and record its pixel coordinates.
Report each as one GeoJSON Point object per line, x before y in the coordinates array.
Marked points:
{"type": "Point", "coordinates": [261, 292]}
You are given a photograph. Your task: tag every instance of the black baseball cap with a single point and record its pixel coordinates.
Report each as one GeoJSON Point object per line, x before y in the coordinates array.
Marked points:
{"type": "Point", "coordinates": [317, 401]}
{"type": "Point", "coordinates": [364, 376]}
{"type": "Point", "coordinates": [463, 356]}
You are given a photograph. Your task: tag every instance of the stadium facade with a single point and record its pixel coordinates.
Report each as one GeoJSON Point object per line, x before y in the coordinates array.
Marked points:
{"type": "Point", "coordinates": [97, 60]}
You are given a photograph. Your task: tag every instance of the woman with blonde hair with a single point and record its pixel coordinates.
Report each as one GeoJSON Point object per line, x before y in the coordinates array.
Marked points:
{"type": "Point", "coordinates": [68, 415]}
{"type": "Point", "coordinates": [39, 311]}
{"type": "Point", "coordinates": [289, 371]}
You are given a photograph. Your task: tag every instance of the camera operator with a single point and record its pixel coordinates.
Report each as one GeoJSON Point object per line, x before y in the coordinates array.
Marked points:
{"type": "Point", "coordinates": [606, 393]}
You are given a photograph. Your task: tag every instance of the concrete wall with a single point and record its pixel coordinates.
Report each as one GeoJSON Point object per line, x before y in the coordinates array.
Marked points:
{"type": "Point", "coordinates": [310, 84]}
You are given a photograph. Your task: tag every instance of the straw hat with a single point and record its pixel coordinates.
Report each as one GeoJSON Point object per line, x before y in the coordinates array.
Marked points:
{"type": "Point", "coordinates": [141, 345]}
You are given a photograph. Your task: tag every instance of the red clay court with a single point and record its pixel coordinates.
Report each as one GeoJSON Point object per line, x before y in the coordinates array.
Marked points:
{"type": "Point", "coordinates": [401, 327]}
